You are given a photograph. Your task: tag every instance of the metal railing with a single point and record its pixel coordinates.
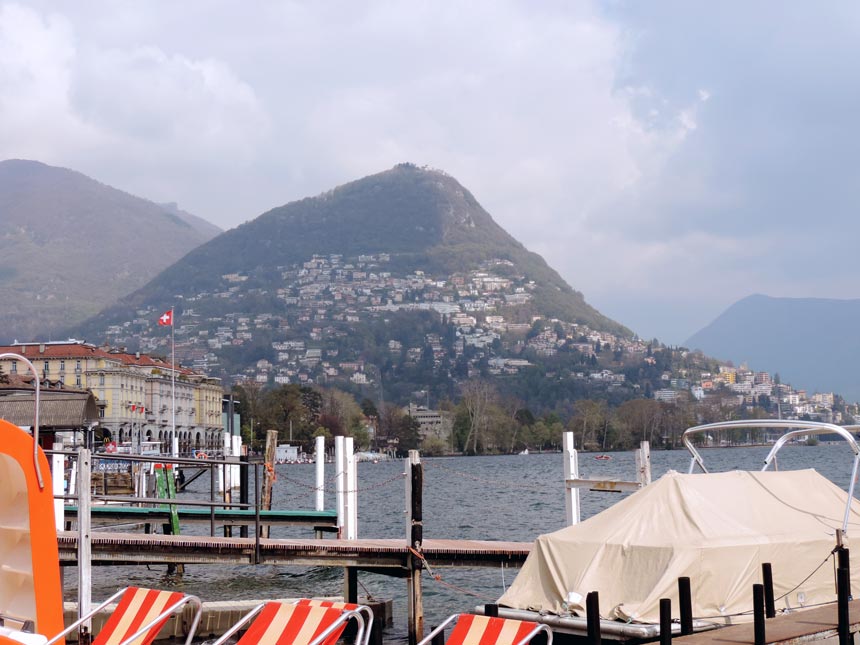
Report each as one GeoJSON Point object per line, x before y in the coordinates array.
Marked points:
{"type": "Point", "coordinates": [794, 429]}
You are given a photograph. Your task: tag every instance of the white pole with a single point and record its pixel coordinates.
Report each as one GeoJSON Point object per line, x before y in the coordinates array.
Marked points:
{"type": "Point", "coordinates": [59, 488]}
{"type": "Point", "coordinates": [351, 496]}
{"type": "Point", "coordinates": [643, 464]}
{"type": "Point", "coordinates": [84, 550]}
{"type": "Point", "coordinates": [339, 480]}
{"type": "Point", "coordinates": [174, 441]}
{"type": "Point", "coordinates": [571, 471]}
{"type": "Point", "coordinates": [320, 464]}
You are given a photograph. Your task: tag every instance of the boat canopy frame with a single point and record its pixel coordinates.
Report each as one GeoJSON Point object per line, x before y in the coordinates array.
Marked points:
{"type": "Point", "coordinates": [794, 428]}
{"type": "Point", "coordinates": [18, 357]}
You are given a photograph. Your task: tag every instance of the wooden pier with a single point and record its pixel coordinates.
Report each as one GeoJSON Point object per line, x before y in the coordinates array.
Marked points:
{"type": "Point", "coordinates": [391, 557]}
{"type": "Point", "coordinates": [805, 626]}
{"type": "Point", "coordinates": [323, 520]}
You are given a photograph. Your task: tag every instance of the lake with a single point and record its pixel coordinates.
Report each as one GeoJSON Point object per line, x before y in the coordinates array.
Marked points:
{"type": "Point", "coordinates": [512, 497]}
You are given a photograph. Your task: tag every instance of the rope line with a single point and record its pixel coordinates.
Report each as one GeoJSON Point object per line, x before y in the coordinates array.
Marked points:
{"type": "Point", "coordinates": [438, 578]}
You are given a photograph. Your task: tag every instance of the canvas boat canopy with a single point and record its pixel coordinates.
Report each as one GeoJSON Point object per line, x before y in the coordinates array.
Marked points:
{"type": "Point", "coordinates": [717, 529]}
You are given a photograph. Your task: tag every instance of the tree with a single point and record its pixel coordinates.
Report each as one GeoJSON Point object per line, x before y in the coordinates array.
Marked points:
{"type": "Point", "coordinates": [588, 419]}
{"type": "Point", "coordinates": [477, 395]}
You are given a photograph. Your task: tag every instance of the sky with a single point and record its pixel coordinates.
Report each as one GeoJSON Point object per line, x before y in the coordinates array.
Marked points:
{"type": "Point", "coordinates": [666, 158]}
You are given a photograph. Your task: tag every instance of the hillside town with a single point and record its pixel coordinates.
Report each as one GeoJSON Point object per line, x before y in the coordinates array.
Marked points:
{"type": "Point", "coordinates": [303, 330]}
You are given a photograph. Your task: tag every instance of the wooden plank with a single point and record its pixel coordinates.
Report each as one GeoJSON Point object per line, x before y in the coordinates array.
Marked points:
{"type": "Point", "coordinates": [115, 548]}
{"type": "Point", "coordinates": [796, 627]}
{"type": "Point", "coordinates": [604, 485]}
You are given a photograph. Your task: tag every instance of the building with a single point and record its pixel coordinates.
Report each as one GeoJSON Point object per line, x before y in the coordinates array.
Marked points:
{"type": "Point", "coordinates": [430, 422]}
{"type": "Point", "coordinates": [134, 392]}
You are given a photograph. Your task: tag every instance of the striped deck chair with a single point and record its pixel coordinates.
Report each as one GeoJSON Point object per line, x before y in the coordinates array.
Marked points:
{"type": "Point", "coordinates": [484, 630]}
{"type": "Point", "coordinates": [280, 623]}
{"type": "Point", "coordinates": [138, 617]}
{"type": "Point", "coordinates": [362, 636]}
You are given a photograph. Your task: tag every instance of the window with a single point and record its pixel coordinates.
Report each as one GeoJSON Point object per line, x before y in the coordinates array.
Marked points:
{"type": "Point", "coordinates": [78, 380]}
{"type": "Point", "coordinates": [14, 367]}
{"type": "Point", "coordinates": [101, 378]}
{"type": "Point", "coordinates": [78, 365]}
{"type": "Point", "coordinates": [62, 366]}
{"type": "Point", "coordinates": [47, 367]}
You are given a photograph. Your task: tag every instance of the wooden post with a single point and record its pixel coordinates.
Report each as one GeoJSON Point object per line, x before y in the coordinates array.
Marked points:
{"type": "Point", "coordinates": [685, 602]}
{"type": "Point", "coordinates": [767, 581]}
{"type": "Point", "coordinates": [665, 621]}
{"type": "Point", "coordinates": [571, 471]}
{"type": "Point", "coordinates": [268, 476]}
{"type": "Point", "coordinates": [592, 615]}
{"type": "Point", "coordinates": [85, 577]}
{"type": "Point", "coordinates": [414, 538]}
{"type": "Point", "coordinates": [243, 489]}
{"type": "Point", "coordinates": [758, 615]}
{"type": "Point", "coordinates": [842, 584]}
{"type": "Point", "coordinates": [643, 464]}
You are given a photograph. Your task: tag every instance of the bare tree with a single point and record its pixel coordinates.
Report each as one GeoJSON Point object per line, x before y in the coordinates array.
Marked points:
{"type": "Point", "coordinates": [477, 396]}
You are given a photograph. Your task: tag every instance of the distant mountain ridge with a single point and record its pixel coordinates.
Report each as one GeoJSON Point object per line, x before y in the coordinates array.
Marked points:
{"type": "Point", "coordinates": [811, 342]}
{"type": "Point", "coordinates": [70, 246]}
{"type": "Point", "coordinates": [424, 219]}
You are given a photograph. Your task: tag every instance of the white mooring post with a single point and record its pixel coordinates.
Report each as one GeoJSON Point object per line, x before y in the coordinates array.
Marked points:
{"type": "Point", "coordinates": [339, 482]}
{"type": "Point", "coordinates": [59, 488]}
{"type": "Point", "coordinates": [571, 471]}
{"type": "Point", "coordinates": [643, 464]}
{"type": "Point", "coordinates": [84, 550]}
{"type": "Point", "coordinates": [320, 465]}
{"type": "Point", "coordinates": [350, 481]}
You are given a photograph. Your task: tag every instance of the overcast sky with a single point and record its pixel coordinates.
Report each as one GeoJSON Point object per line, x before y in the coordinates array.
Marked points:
{"type": "Point", "coordinates": [667, 158]}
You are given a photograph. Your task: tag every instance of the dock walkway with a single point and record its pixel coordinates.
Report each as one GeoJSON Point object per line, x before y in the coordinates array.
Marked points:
{"type": "Point", "coordinates": [805, 626]}
{"type": "Point", "coordinates": [386, 556]}
{"type": "Point", "coordinates": [221, 516]}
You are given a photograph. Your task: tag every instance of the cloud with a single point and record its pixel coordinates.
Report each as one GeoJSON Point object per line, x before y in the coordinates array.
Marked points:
{"type": "Point", "coordinates": [674, 152]}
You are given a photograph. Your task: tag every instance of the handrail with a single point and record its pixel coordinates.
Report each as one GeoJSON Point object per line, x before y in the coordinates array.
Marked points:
{"type": "Point", "coordinates": [795, 428]}
{"type": "Point", "coordinates": [18, 357]}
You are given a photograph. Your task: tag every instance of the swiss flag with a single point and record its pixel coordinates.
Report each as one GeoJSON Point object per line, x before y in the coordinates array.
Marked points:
{"type": "Point", "coordinates": [166, 318]}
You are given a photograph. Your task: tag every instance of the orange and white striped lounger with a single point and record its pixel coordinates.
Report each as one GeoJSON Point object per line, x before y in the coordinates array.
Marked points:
{"type": "Point", "coordinates": [281, 623]}
{"type": "Point", "coordinates": [139, 616]}
{"type": "Point", "coordinates": [362, 637]}
{"type": "Point", "coordinates": [485, 630]}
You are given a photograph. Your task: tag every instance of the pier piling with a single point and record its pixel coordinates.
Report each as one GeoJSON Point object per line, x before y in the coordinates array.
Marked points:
{"type": "Point", "coordinates": [665, 621]}
{"type": "Point", "coordinates": [767, 581]}
{"type": "Point", "coordinates": [414, 538]}
{"type": "Point", "coordinates": [592, 615]}
{"type": "Point", "coordinates": [758, 614]}
{"type": "Point", "coordinates": [685, 605]}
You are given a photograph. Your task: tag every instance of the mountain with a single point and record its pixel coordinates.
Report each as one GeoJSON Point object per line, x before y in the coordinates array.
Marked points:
{"type": "Point", "coordinates": [811, 342]}
{"type": "Point", "coordinates": [70, 246]}
{"type": "Point", "coordinates": [402, 273]}
{"type": "Point", "coordinates": [423, 219]}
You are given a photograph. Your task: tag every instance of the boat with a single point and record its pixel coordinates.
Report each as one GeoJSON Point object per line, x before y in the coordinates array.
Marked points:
{"type": "Point", "coordinates": [717, 529]}
{"type": "Point", "coordinates": [31, 595]}
{"type": "Point", "coordinates": [524, 451]}
{"type": "Point", "coordinates": [603, 457]}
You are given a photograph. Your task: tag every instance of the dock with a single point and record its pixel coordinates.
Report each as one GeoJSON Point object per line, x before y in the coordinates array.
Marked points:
{"type": "Point", "coordinates": [387, 556]}
{"type": "Point", "coordinates": [808, 625]}
{"type": "Point", "coordinates": [322, 520]}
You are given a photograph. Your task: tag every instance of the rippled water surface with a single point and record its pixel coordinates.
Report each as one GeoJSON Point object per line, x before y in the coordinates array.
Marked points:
{"type": "Point", "coordinates": [514, 497]}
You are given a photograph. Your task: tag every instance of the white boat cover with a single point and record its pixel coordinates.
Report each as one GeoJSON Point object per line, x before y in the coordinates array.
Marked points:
{"type": "Point", "coordinates": [717, 529]}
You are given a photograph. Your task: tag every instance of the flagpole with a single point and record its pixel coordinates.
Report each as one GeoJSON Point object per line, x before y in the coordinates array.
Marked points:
{"type": "Point", "coordinates": [174, 447]}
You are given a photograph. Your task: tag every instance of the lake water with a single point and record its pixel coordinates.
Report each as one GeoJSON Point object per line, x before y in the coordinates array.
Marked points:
{"type": "Point", "coordinates": [515, 497]}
